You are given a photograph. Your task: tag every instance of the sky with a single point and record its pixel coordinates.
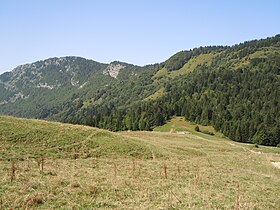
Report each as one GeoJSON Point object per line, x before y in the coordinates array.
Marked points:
{"type": "Point", "coordinates": [134, 31]}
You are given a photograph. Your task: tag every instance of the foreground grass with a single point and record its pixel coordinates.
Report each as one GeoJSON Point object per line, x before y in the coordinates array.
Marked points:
{"type": "Point", "coordinates": [178, 170]}
{"type": "Point", "coordinates": [21, 138]}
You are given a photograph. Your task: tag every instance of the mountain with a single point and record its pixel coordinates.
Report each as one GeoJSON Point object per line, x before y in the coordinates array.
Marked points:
{"type": "Point", "coordinates": [31, 88]}
{"type": "Point", "coordinates": [236, 89]}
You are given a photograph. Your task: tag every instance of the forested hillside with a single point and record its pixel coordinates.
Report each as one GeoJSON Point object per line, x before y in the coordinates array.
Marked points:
{"type": "Point", "coordinates": [42, 88]}
{"type": "Point", "coordinates": [238, 93]}
{"type": "Point", "coordinates": [236, 89]}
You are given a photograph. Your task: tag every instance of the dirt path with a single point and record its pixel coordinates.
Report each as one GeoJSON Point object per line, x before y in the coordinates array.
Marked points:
{"type": "Point", "coordinates": [276, 164]}
{"type": "Point", "coordinates": [255, 152]}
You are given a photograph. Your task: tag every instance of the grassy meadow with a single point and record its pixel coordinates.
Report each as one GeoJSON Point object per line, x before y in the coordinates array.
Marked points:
{"type": "Point", "coordinates": [49, 165]}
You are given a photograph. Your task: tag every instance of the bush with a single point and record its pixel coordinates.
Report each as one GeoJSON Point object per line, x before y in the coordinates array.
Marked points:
{"type": "Point", "coordinates": [208, 133]}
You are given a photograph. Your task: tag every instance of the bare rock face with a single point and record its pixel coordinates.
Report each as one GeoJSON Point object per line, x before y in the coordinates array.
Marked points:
{"type": "Point", "coordinates": [113, 69]}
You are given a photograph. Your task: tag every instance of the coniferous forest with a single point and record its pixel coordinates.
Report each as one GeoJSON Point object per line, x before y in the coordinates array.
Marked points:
{"type": "Point", "coordinates": [222, 98]}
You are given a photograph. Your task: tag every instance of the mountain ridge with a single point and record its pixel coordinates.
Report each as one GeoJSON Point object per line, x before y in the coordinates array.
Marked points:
{"type": "Point", "coordinates": [121, 96]}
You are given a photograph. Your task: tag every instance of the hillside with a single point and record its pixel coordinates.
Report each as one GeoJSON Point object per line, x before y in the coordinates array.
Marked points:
{"type": "Point", "coordinates": [235, 89]}
{"type": "Point", "coordinates": [47, 165]}
{"type": "Point", "coordinates": [26, 138]}
{"type": "Point", "coordinates": [32, 89]}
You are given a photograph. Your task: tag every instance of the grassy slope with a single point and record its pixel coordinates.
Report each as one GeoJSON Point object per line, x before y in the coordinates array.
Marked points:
{"type": "Point", "coordinates": [193, 63]}
{"type": "Point", "coordinates": [263, 52]}
{"type": "Point", "coordinates": [164, 75]}
{"type": "Point", "coordinates": [188, 67]}
{"type": "Point", "coordinates": [180, 125]}
{"type": "Point", "coordinates": [159, 93]}
{"type": "Point", "coordinates": [206, 59]}
{"type": "Point", "coordinates": [58, 140]}
{"type": "Point", "coordinates": [201, 171]}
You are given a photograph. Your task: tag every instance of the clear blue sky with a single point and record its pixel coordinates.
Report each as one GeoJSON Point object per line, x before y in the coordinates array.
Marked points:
{"type": "Point", "coordinates": [135, 31]}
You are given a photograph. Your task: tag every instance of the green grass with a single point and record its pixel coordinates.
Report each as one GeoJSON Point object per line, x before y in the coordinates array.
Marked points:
{"type": "Point", "coordinates": [181, 169]}
{"type": "Point", "coordinates": [58, 140]}
{"type": "Point", "coordinates": [245, 61]}
{"type": "Point", "coordinates": [193, 63]}
{"type": "Point", "coordinates": [161, 73]}
{"type": "Point", "coordinates": [188, 67]}
{"type": "Point", "coordinates": [179, 124]}
{"type": "Point", "coordinates": [159, 93]}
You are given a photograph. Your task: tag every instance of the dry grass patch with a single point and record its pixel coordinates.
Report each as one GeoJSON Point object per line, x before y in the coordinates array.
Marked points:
{"type": "Point", "coordinates": [181, 172]}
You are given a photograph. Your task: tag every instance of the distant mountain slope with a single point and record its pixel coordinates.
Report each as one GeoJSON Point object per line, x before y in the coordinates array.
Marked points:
{"type": "Point", "coordinates": [31, 88]}
{"type": "Point", "coordinates": [235, 89]}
